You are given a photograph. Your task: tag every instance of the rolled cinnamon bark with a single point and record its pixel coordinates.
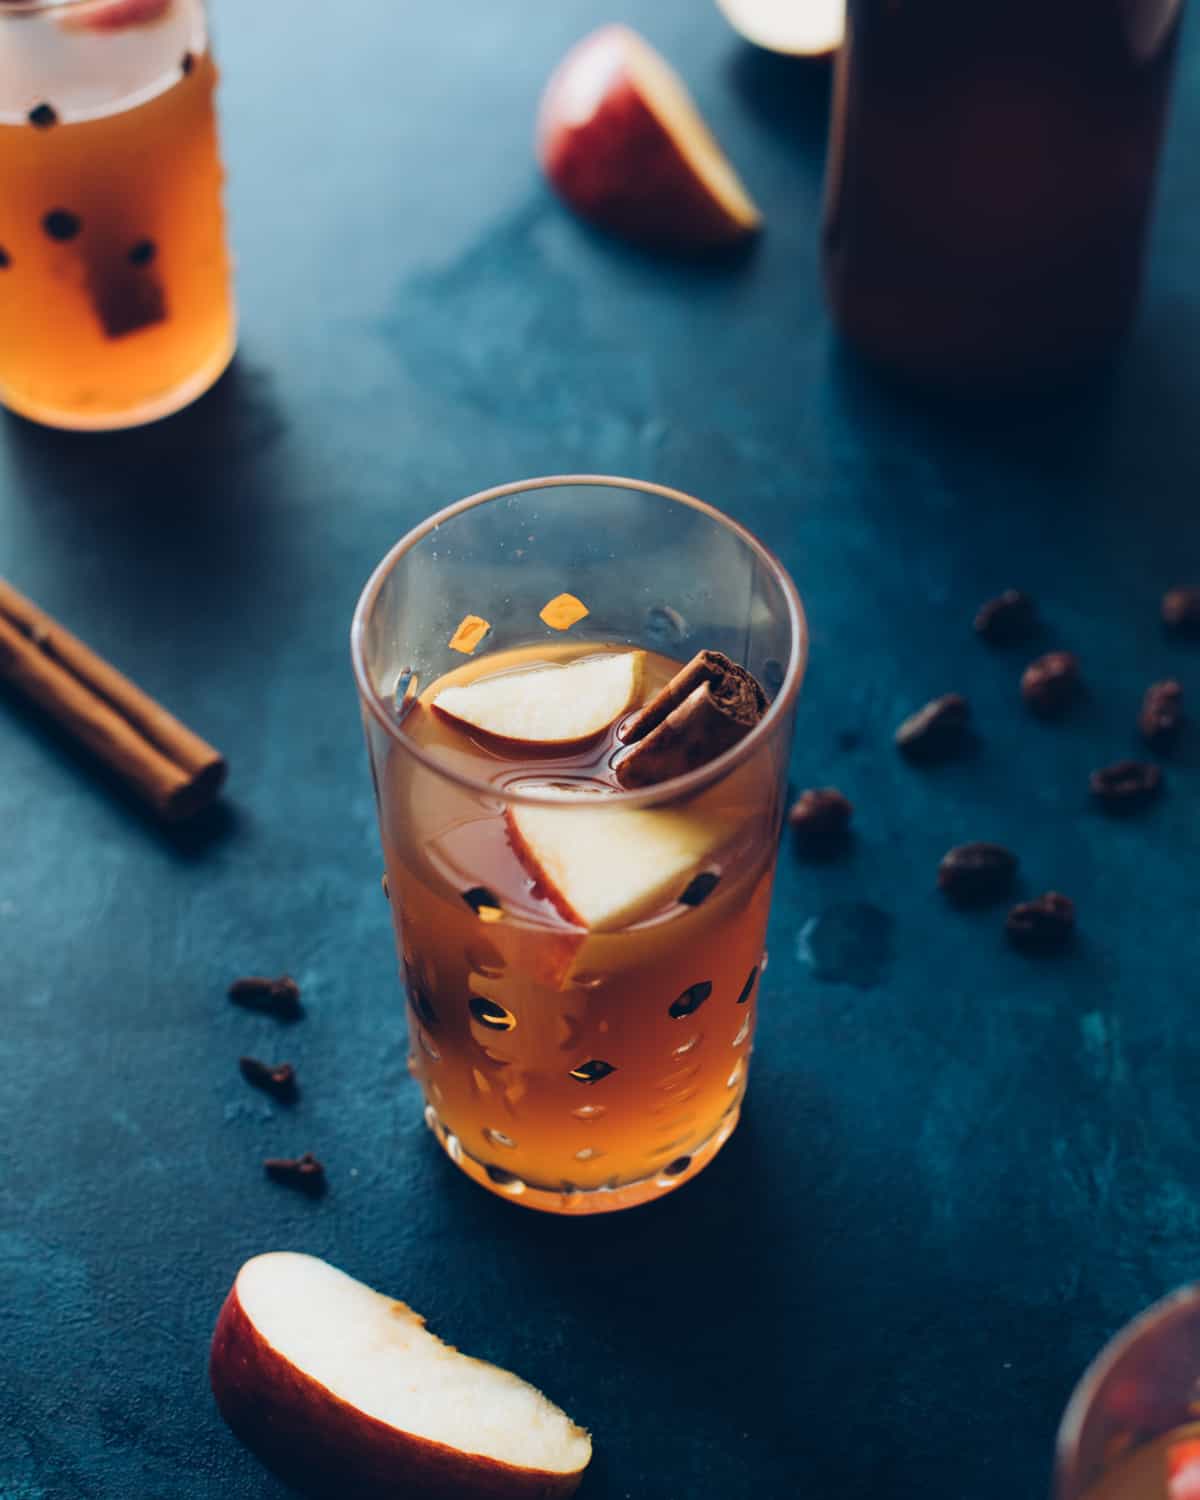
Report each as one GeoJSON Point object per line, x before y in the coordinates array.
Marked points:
{"type": "Point", "coordinates": [708, 705]}
{"type": "Point", "coordinates": [163, 761]}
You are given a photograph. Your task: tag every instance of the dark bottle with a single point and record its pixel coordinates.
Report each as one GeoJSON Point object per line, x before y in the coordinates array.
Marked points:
{"type": "Point", "coordinates": [991, 169]}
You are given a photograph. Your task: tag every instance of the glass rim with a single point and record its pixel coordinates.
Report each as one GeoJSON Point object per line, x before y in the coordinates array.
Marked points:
{"type": "Point", "coordinates": [677, 786]}
{"type": "Point", "coordinates": [1070, 1428]}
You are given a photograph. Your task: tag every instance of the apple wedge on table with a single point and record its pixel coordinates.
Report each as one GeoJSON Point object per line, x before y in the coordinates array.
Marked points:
{"type": "Point", "coordinates": [623, 144]}
{"type": "Point", "coordinates": [344, 1393]}
{"type": "Point", "coordinates": [796, 28]}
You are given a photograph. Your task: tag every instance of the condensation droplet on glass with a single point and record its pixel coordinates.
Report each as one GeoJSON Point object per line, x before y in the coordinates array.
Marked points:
{"type": "Point", "coordinates": [482, 1086]}
{"type": "Point", "coordinates": [736, 1076]}
{"type": "Point", "coordinates": [588, 1111]}
{"type": "Point", "coordinates": [743, 1032]}
{"type": "Point", "coordinates": [498, 1138]}
{"type": "Point", "coordinates": [454, 1148]}
{"type": "Point", "coordinates": [665, 625]}
{"type": "Point", "coordinates": [685, 1047]}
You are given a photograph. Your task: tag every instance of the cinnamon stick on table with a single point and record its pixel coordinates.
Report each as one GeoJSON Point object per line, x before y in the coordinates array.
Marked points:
{"type": "Point", "coordinates": [708, 705]}
{"type": "Point", "coordinates": [166, 765]}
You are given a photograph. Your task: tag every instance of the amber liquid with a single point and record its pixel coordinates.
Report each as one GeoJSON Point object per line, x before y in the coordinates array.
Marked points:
{"type": "Point", "coordinates": [575, 1071]}
{"type": "Point", "coordinates": [115, 304]}
{"type": "Point", "coordinates": [1144, 1473]}
{"type": "Point", "coordinates": [991, 168]}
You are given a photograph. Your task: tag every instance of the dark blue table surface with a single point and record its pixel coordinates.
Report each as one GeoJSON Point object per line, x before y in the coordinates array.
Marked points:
{"type": "Point", "coordinates": [960, 1169]}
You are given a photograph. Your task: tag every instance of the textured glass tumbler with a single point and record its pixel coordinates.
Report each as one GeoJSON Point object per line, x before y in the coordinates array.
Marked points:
{"type": "Point", "coordinates": [115, 301]}
{"type": "Point", "coordinates": [575, 1071]}
{"type": "Point", "coordinates": [1131, 1431]}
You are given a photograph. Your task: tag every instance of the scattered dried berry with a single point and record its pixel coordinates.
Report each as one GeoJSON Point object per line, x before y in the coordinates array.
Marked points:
{"type": "Point", "coordinates": [43, 116]}
{"type": "Point", "coordinates": [1042, 926]}
{"type": "Point", "coordinates": [279, 997]}
{"type": "Point", "coordinates": [302, 1172]}
{"type": "Point", "coordinates": [1126, 784]}
{"type": "Point", "coordinates": [1161, 717]}
{"type": "Point", "coordinates": [186, 63]}
{"type": "Point", "coordinates": [1007, 618]}
{"type": "Point", "coordinates": [279, 1080]}
{"type": "Point", "coordinates": [1049, 683]}
{"type": "Point", "coordinates": [383, 882]}
{"type": "Point", "coordinates": [61, 224]}
{"type": "Point", "coordinates": [936, 731]}
{"type": "Point", "coordinates": [1181, 611]}
{"type": "Point", "coordinates": [821, 813]}
{"type": "Point", "coordinates": [5, 259]}
{"type": "Point", "coordinates": [974, 874]}
{"type": "Point", "coordinates": [143, 253]}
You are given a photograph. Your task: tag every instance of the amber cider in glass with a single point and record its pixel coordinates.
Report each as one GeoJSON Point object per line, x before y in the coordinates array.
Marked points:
{"type": "Point", "coordinates": [573, 1070]}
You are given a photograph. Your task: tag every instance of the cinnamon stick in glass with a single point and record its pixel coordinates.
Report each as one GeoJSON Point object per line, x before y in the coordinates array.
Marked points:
{"type": "Point", "coordinates": [163, 762]}
{"type": "Point", "coordinates": [708, 705]}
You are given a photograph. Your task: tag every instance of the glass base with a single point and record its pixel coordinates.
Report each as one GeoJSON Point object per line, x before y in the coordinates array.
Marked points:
{"type": "Point", "coordinates": [574, 1200]}
{"type": "Point", "coordinates": [72, 419]}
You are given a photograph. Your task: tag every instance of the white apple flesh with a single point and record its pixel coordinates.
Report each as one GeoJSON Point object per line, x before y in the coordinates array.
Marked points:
{"type": "Point", "coordinates": [604, 867]}
{"type": "Point", "coordinates": [797, 28]}
{"type": "Point", "coordinates": [624, 145]}
{"type": "Point", "coordinates": [548, 706]}
{"type": "Point", "coordinates": [344, 1393]}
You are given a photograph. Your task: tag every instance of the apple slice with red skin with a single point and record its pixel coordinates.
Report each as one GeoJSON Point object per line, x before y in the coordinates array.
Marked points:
{"type": "Point", "coordinates": [797, 28]}
{"type": "Point", "coordinates": [624, 145]}
{"type": "Point", "coordinates": [343, 1393]}
{"type": "Point", "coordinates": [548, 706]}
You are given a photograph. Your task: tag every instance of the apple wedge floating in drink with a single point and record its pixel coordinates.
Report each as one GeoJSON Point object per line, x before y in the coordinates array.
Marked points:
{"type": "Point", "coordinates": [548, 705]}
{"type": "Point", "coordinates": [605, 867]}
{"type": "Point", "coordinates": [343, 1392]}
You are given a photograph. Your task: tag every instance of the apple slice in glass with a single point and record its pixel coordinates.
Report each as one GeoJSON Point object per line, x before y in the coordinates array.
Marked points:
{"type": "Point", "coordinates": [550, 705]}
{"type": "Point", "coordinates": [604, 867]}
{"type": "Point", "coordinates": [343, 1392]}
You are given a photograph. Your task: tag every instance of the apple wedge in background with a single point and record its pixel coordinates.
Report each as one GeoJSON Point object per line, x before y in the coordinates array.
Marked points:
{"type": "Point", "coordinates": [796, 28]}
{"type": "Point", "coordinates": [624, 145]}
{"type": "Point", "coordinates": [344, 1393]}
{"type": "Point", "coordinates": [550, 705]}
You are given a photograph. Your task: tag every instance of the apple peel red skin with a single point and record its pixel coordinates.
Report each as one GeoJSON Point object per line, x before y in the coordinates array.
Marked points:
{"type": "Point", "coordinates": [621, 169]}
{"type": "Point", "coordinates": [324, 1447]}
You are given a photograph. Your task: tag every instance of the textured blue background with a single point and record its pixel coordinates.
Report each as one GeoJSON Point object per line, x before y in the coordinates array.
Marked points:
{"type": "Point", "coordinates": [959, 1171]}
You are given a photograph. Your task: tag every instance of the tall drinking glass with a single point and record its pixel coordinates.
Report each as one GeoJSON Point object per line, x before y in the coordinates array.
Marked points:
{"type": "Point", "coordinates": [575, 1064]}
{"type": "Point", "coordinates": [115, 302]}
{"type": "Point", "coordinates": [1132, 1428]}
